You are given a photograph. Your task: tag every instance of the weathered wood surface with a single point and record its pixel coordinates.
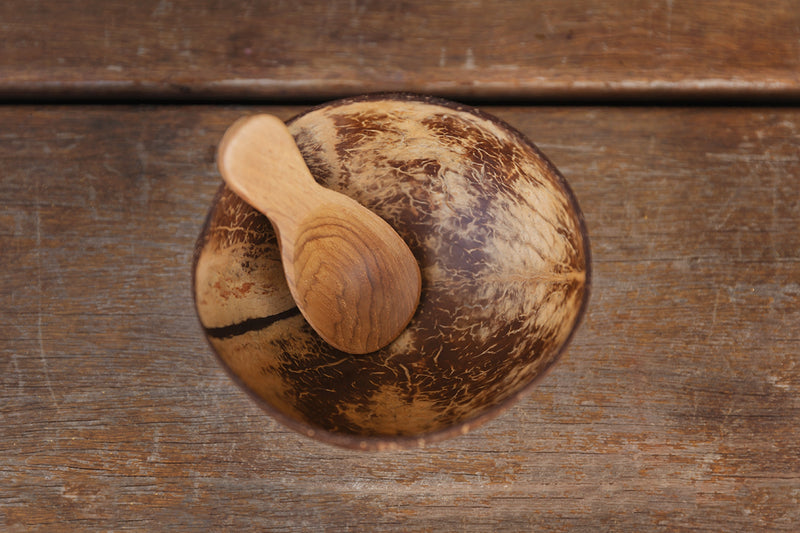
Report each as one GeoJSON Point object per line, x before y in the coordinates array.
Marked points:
{"type": "Point", "coordinates": [677, 405]}
{"type": "Point", "coordinates": [309, 49]}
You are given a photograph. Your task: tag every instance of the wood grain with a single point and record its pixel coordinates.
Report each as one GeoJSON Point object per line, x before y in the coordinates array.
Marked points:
{"type": "Point", "coordinates": [307, 49]}
{"type": "Point", "coordinates": [676, 407]}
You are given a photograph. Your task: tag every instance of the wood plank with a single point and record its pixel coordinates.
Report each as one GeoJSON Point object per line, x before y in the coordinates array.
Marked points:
{"type": "Point", "coordinates": [677, 405]}
{"type": "Point", "coordinates": [307, 49]}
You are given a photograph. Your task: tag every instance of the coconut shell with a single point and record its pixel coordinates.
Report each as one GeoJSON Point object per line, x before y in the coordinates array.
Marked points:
{"type": "Point", "coordinates": [504, 257]}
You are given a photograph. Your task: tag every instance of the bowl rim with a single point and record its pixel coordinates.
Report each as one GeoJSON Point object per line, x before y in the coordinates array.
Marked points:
{"type": "Point", "coordinates": [379, 443]}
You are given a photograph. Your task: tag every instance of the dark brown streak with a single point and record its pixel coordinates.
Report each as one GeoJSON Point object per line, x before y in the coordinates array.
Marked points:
{"type": "Point", "coordinates": [251, 324]}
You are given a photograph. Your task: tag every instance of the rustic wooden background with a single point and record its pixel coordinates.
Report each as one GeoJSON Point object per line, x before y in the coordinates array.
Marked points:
{"type": "Point", "coordinates": [476, 49]}
{"type": "Point", "coordinates": [677, 405]}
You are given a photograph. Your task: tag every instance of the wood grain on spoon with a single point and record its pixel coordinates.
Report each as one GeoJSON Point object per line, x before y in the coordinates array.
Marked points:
{"type": "Point", "coordinates": [352, 276]}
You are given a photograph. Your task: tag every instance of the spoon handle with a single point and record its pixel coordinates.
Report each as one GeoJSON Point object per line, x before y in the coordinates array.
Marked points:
{"type": "Point", "coordinates": [260, 162]}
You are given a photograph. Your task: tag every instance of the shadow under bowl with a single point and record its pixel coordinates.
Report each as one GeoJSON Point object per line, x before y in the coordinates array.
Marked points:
{"type": "Point", "coordinates": [503, 253]}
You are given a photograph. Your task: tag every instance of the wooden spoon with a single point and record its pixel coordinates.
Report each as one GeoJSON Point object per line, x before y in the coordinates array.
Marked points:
{"type": "Point", "coordinates": [352, 276]}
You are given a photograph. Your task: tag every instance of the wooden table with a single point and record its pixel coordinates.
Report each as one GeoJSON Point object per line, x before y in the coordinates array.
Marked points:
{"type": "Point", "coordinates": [676, 406]}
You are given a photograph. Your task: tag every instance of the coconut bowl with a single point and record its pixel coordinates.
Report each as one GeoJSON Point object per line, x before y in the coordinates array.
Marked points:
{"type": "Point", "coordinates": [501, 246]}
